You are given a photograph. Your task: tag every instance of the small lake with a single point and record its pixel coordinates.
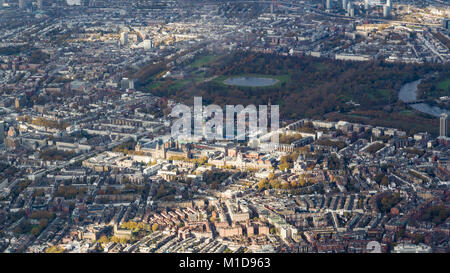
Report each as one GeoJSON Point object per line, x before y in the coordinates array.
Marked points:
{"type": "Point", "coordinates": [251, 81]}
{"type": "Point", "coordinates": [408, 94]}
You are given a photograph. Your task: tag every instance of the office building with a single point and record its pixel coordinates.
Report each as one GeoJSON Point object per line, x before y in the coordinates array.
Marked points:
{"type": "Point", "coordinates": [124, 38]}
{"type": "Point", "coordinates": [73, 2]}
{"type": "Point", "coordinates": [350, 8]}
{"type": "Point", "coordinates": [446, 23]}
{"type": "Point", "coordinates": [2, 132]}
{"type": "Point", "coordinates": [351, 12]}
{"type": "Point", "coordinates": [443, 125]}
{"type": "Point", "coordinates": [127, 84]}
{"type": "Point", "coordinates": [148, 44]}
{"type": "Point", "coordinates": [344, 4]}
{"type": "Point", "coordinates": [386, 11]}
{"type": "Point", "coordinates": [329, 5]}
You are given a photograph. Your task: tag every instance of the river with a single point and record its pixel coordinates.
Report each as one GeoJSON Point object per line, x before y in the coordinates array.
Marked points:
{"type": "Point", "coordinates": [408, 93]}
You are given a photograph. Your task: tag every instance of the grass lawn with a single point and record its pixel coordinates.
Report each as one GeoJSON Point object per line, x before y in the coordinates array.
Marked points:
{"type": "Point", "coordinates": [196, 76]}
{"type": "Point", "coordinates": [444, 85]}
{"type": "Point", "coordinates": [152, 85]}
{"type": "Point", "coordinates": [409, 113]}
{"type": "Point", "coordinates": [178, 84]}
{"type": "Point", "coordinates": [203, 60]}
{"type": "Point", "coordinates": [384, 93]}
{"type": "Point", "coordinates": [357, 116]}
{"type": "Point", "coordinates": [321, 66]}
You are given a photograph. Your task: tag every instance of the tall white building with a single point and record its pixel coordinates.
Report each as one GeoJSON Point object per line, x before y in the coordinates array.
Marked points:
{"type": "Point", "coordinates": [329, 5]}
{"type": "Point", "coordinates": [21, 4]}
{"type": "Point", "coordinates": [344, 4]}
{"type": "Point", "coordinates": [350, 9]}
{"type": "Point", "coordinates": [124, 38]}
{"type": "Point", "coordinates": [389, 4]}
{"type": "Point", "coordinates": [148, 44]}
{"type": "Point", "coordinates": [443, 129]}
{"type": "Point", "coordinates": [351, 12]}
{"type": "Point", "coordinates": [386, 11]}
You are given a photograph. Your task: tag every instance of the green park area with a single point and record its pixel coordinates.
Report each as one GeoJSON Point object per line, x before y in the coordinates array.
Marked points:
{"type": "Point", "coordinates": [204, 60]}
{"type": "Point", "coordinates": [444, 85]}
{"type": "Point", "coordinates": [365, 92]}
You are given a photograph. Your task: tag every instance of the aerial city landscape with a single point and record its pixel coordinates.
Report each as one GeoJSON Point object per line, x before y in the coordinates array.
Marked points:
{"type": "Point", "coordinates": [89, 162]}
